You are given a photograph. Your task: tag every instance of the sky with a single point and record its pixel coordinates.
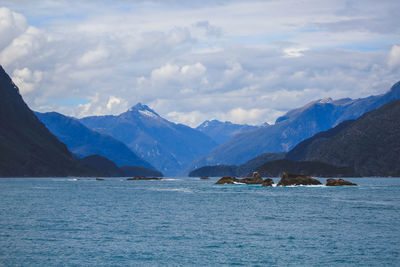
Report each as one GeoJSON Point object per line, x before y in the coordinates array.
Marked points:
{"type": "Point", "coordinates": [239, 61]}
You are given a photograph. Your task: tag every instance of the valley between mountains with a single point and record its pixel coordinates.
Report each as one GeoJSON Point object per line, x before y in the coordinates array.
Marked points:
{"type": "Point", "coordinates": [326, 137]}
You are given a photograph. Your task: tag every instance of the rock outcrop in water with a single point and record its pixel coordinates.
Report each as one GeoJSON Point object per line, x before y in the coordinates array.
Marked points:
{"type": "Point", "coordinates": [339, 182]}
{"type": "Point", "coordinates": [268, 182]}
{"type": "Point", "coordinates": [256, 179]}
{"type": "Point", "coordinates": [297, 179]}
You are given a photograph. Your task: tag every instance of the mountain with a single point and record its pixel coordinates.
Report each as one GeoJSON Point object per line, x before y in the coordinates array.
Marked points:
{"type": "Point", "coordinates": [370, 145]}
{"type": "Point", "coordinates": [27, 148]}
{"type": "Point", "coordinates": [312, 168]}
{"type": "Point", "coordinates": [108, 168]}
{"type": "Point", "coordinates": [233, 170]}
{"type": "Point", "coordinates": [104, 165]}
{"type": "Point", "coordinates": [220, 131]}
{"type": "Point", "coordinates": [292, 128]}
{"type": "Point", "coordinates": [83, 141]}
{"type": "Point", "coordinates": [168, 146]}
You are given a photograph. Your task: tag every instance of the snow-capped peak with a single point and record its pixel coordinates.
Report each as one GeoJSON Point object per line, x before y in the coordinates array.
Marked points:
{"type": "Point", "coordinates": [148, 113]}
{"type": "Point", "coordinates": [325, 100]}
{"type": "Point", "coordinates": [144, 110]}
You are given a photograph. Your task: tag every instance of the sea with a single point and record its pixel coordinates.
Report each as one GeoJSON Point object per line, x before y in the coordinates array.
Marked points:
{"type": "Point", "coordinates": [192, 222]}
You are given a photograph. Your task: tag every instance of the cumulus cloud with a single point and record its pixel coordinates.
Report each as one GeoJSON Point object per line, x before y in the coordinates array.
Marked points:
{"type": "Point", "coordinates": [26, 80]}
{"type": "Point", "coordinates": [93, 56]}
{"type": "Point", "coordinates": [196, 61]}
{"type": "Point", "coordinates": [11, 26]}
{"type": "Point", "coordinates": [394, 57]}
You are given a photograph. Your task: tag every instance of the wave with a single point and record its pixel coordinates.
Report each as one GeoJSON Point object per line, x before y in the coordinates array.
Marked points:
{"type": "Point", "coordinates": [185, 190]}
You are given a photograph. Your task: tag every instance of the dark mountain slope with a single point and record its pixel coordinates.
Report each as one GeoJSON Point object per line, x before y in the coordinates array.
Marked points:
{"type": "Point", "coordinates": [168, 146]}
{"type": "Point", "coordinates": [104, 165]}
{"type": "Point", "coordinates": [27, 148]}
{"type": "Point", "coordinates": [370, 144]}
{"type": "Point", "coordinates": [292, 128]}
{"type": "Point", "coordinates": [238, 171]}
{"type": "Point", "coordinates": [85, 142]}
{"type": "Point", "coordinates": [313, 168]}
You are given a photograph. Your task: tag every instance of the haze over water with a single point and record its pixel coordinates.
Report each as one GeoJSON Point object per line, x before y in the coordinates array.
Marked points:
{"type": "Point", "coordinates": [187, 221]}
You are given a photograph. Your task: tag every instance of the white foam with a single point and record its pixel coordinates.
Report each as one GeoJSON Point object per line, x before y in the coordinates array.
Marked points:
{"type": "Point", "coordinates": [185, 190]}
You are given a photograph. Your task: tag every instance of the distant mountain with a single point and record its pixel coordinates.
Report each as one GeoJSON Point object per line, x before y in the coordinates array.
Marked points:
{"type": "Point", "coordinates": [85, 142]}
{"type": "Point", "coordinates": [104, 165]}
{"type": "Point", "coordinates": [370, 145]}
{"type": "Point", "coordinates": [168, 146]}
{"type": "Point", "coordinates": [312, 168]}
{"type": "Point", "coordinates": [292, 128]}
{"type": "Point", "coordinates": [108, 168]}
{"type": "Point", "coordinates": [220, 131]}
{"type": "Point", "coordinates": [27, 148]}
{"type": "Point", "coordinates": [237, 171]}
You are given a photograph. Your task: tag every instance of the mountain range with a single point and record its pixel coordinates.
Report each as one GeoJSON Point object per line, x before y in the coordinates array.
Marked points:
{"type": "Point", "coordinates": [292, 128]}
{"type": "Point", "coordinates": [142, 138]}
{"type": "Point", "coordinates": [84, 142]}
{"type": "Point", "coordinates": [27, 148]}
{"type": "Point", "coordinates": [167, 146]}
{"type": "Point", "coordinates": [367, 146]}
{"type": "Point", "coordinates": [370, 145]}
{"type": "Point", "coordinates": [220, 131]}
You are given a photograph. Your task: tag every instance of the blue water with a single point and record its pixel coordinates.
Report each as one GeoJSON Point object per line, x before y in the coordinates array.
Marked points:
{"type": "Point", "coordinates": [187, 221]}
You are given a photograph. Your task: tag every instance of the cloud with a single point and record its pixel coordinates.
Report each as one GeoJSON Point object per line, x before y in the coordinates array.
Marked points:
{"type": "Point", "coordinates": [209, 30]}
{"type": "Point", "coordinates": [199, 60]}
{"type": "Point", "coordinates": [11, 26]}
{"type": "Point", "coordinates": [113, 101]}
{"type": "Point", "coordinates": [93, 56]}
{"type": "Point", "coordinates": [394, 57]}
{"type": "Point", "coordinates": [26, 80]}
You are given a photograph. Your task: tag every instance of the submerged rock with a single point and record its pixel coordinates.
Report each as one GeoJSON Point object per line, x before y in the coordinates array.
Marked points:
{"type": "Point", "coordinates": [268, 182]}
{"type": "Point", "coordinates": [297, 179]}
{"type": "Point", "coordinates": [99, 179]}
{"type": "Point", "coordinates": [204, 178]}
{"type": "Point", "coordinates": [339, 182]}
{"type": "Point", "coordinates": [144, 178]}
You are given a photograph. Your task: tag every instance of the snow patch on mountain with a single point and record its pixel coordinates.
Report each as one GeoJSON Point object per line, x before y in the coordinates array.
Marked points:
{"type": "Point", "coordinates": [148, 113]}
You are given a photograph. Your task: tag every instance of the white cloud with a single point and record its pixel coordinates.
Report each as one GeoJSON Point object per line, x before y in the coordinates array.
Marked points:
{"type": "Point", "coordinates": [394, 57]}
{"type": "Point", "coordinates": [25, 45]}
{"type": "Point", "coordinates": [165, 73]}
{"type": "Point", "coordinates": [26, 80]}
{"type": "Point", "coordinates": [113, 101]}
{"type": "Point", "coordinates": [294, 51]}
{"type": "Point", "coordinates": [196, 61]}
{"type": "Point", "coordinates": [193, 71]}
{"type": "Point", "coordinates": [93, 56]}
{"type": "Point", "coordinates": [11, 26]}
